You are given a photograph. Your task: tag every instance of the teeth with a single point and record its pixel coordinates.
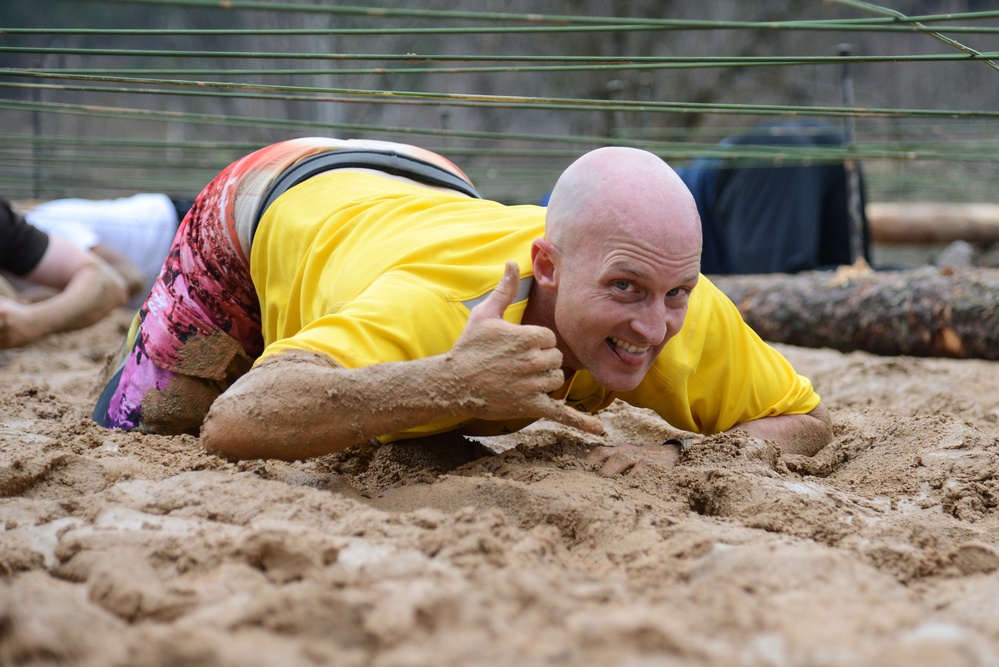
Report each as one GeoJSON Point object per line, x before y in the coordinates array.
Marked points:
{"type": "Point", "coordinates": [627, 347]}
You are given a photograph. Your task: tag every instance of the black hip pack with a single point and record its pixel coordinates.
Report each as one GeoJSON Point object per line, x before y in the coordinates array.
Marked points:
{"type": "Point", "coordinates": [390, 162]}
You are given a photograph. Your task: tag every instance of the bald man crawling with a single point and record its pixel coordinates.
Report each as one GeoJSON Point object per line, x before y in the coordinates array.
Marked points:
{"type": "Point", "coordinates": [323, 293]}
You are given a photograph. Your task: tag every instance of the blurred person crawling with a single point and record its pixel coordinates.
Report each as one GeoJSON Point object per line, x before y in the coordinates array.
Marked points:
{"type": "Point", "coordinates": [322, 293]}
{"type": "Point", "coordinates": [133, 234]}
{"type": "Point", "coordinates": [84, 288]}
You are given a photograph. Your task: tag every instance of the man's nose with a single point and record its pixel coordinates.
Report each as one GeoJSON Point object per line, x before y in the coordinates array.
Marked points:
{"type": "Point", "coordinates": [653, 323]}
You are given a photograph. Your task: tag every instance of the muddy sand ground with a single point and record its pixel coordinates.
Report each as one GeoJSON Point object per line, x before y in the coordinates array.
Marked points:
{"type": "Point", "coordinates": [126, 549]}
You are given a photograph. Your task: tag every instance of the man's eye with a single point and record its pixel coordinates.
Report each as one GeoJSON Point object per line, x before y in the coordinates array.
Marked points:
{"type": "Point", "coordinates": [675, 292]}
{"type": "Point", "coordinates": [622, 285]}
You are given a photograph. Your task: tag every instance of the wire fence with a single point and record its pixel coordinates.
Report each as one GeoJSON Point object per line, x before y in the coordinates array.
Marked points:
{"type": "Point", "coordinates": [114, 97]}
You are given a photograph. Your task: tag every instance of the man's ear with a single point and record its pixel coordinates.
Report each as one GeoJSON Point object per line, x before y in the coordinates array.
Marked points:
{"type": "Point", "coordinates": [544, 263]}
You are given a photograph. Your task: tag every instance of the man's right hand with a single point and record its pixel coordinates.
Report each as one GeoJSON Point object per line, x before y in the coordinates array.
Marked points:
{"type": "Point", "coordinates": [511, 368]}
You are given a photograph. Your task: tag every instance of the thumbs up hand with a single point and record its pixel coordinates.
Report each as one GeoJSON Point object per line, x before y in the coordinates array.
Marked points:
{"type": "Point", "coordinates": [511, 368]}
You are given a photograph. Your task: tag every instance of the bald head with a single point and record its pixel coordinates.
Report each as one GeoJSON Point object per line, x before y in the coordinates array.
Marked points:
{"type": "Point", "coordinates": [616, 189]}
{"type": "Point", "coordinates": [620, 257]}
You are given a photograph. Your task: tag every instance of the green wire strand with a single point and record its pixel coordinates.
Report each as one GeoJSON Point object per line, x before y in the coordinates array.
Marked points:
{"type": "Point", "coordinates": [900, 16]}
{"type": "Point", "coordinates": [801, 154]}
{"type": "Point", "coordinates": [912, 25]}
{"type": "Point", "coordinates": [675, 150]}
{"type": "Point", "coordinates": [668, 64]}
{"type": "Point", "coordinates": [701, 61]}
{"type": "Point", "coordinates": [912, 136]}
{"type": "Point", "coordinates": [562, 103]}
{"type": "Point", "coordinates": [384, 12]}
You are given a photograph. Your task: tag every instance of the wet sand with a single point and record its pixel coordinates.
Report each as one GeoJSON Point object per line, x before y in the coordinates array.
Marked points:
{"type": "Point", "coordinates": [128, 549]}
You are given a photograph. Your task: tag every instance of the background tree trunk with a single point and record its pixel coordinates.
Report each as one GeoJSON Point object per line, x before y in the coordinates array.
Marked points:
{"type": "Point", "coordinates": [922, 222]}
{"type": "Point", "coordinates": [920, 312]}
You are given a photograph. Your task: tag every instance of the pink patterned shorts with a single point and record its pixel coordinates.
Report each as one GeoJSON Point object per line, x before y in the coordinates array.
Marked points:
{"type": "Point", "coordinates": [199, 328]}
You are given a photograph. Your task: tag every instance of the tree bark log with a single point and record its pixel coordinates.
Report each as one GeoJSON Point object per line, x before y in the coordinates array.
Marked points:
{"type": "Point", "coordinates": [923, 223]}
{"type": "Point", "coordinates": [927, 311]}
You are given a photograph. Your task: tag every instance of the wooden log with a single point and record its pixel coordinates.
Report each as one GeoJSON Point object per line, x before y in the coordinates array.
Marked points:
{"type": "Point", "coordinates": [920, 312]}
{"type": "Point", "coordinates": [927, 223]}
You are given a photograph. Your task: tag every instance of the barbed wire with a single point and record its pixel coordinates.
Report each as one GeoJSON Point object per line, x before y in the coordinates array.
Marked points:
{"type": "Point", "coordinates": [899, 139]}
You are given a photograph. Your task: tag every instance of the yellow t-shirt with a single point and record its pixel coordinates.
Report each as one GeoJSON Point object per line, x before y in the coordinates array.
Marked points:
{"type": "Point", "coordinates": [368, 269]}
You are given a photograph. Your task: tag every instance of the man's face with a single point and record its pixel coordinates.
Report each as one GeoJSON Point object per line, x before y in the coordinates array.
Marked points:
{"type": "Point", "coordinates": [619, 300]}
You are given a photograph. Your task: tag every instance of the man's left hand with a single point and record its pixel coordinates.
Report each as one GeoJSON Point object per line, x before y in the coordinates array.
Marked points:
{"type": "Point", "coordinates": [618, 459]}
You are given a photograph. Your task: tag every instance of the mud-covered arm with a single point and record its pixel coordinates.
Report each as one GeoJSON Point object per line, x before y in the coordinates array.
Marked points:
{"type": "Point", "coordinates": [298, 405]}
{"type": "Point", "coordinates": [87, 290]}
{"type": "Point", "coordinates": [795, 434]}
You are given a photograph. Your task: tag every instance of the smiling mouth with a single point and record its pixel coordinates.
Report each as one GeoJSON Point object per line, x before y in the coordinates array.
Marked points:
{"type": "Point", "coordinates": [624, 346]}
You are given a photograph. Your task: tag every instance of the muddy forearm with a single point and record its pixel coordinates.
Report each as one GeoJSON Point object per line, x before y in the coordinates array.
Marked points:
{"type": "Point", "coordinates": [795, 434]}
{"type": "Point", "coordinates": [298, 405]}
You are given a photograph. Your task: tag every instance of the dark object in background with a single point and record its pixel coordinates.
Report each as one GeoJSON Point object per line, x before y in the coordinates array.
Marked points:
{"type": "Point", "coordinates": [761, 218]}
